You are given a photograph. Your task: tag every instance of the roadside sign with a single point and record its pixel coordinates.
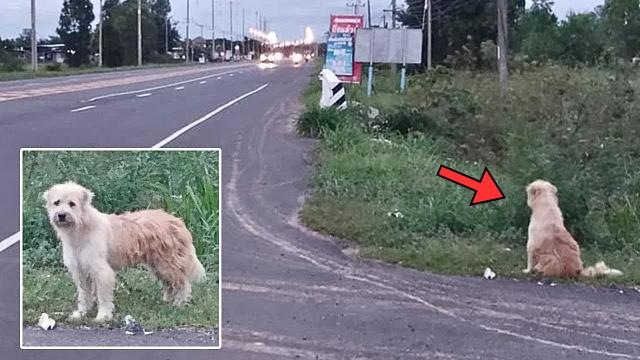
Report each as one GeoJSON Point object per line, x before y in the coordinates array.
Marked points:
{"type": "Point", "coordinates": [389, 46]}
{"type": "Point", "coordinates": [340, 51]}
{"type": "Point", "coordinates": [340, 54]}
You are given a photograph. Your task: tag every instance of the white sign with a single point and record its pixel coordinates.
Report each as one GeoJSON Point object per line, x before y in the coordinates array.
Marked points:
{"type": "Point", "coordinates": [389, 46]}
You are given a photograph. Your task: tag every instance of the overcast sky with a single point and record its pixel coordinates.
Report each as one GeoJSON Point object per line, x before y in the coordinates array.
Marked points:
{"type": "Point", "coordinates": [286, 17]}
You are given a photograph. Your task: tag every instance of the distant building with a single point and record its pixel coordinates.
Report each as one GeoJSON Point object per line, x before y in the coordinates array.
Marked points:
{"type": "Point", "coordinates": [50, 53]}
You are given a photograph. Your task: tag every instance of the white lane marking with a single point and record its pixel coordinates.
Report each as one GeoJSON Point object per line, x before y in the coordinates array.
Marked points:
{"type": "Point", "coordinates": [180, 88]}
{"type": "Point", "coordinates": [83, 108]}
{"type": "Point", "coordinates": [230, 75]}
{"type": "Point", "coordinates": [203, 82]}
{"type": "Point", "coordinates": [4, 244]}
{"type": "Point", "coordinates": [158, 87]}
{"type": "Point", "coordinates": [144, 95]}
{"type": "Point", "coordinates": [219, 78]}
{"type": "Point", "coordinates": [176, 134]}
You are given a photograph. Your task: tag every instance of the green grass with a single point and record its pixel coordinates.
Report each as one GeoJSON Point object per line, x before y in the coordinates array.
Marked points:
{"type": "Point", "coordinates": [64, 70]}
{"type": "Point", "coordinates": [576, 128]}
{"type": "Point", "coordinates": [183, 183]}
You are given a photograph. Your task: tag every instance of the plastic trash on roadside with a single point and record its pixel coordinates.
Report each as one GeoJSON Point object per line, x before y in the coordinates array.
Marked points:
{"type": "Point", "coordinates": [489, 274]}
{"type": "Point", "coordinates": [45, 322]}
{"type": "Point", "coordinates": [133, 327]}
{"type": "Point", "coordinates": [333, 92]}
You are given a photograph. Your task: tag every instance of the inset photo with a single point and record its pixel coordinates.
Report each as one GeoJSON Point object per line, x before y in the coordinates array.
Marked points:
{"type": "Point", "coordinates": [120, 248]}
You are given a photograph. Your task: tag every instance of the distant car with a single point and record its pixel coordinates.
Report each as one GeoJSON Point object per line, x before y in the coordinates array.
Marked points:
{"type": "Point", "coordinates": [296, 58]}
{"type": "Point", "coordinates": [267, 58]}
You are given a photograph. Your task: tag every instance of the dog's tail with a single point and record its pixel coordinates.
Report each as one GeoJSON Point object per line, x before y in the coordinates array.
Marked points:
{"type": "Point", "coordinates": [197, 273]}
{"type": "Point", "coordinates": [600, 269]}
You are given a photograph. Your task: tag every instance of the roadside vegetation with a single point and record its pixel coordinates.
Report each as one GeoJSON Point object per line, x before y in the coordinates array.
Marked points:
{"type": "Point", "coordinates": [183, 183]}
{"type": "Point", "coordinates": [375, 182]}
{"type": "Point", "coordinates": [570, 117]}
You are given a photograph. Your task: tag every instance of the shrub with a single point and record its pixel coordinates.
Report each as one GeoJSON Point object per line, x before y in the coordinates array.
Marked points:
{"type": "Point", "coordinates": [54, 67]}
{"type": "Point", "coordinates": [10, 63]}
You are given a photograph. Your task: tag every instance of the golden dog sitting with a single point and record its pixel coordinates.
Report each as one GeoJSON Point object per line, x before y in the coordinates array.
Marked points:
{"type": "Point", "coordinates": [551, 250]}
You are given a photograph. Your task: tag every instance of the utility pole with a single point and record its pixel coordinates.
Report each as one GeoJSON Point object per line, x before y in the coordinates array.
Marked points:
{"type": "Point", "coordinates": [213, 30]}
{"type": "Point", "coordinates": [231, 25]}
{"type": "Point", "coordinates": [429, 38]}
{"type": "Point", "coordinates": [369, 12]}
{"type": "Point", "coordinates": [426, 20]}
{"type": "Point", "coordinates": [503, 54]}
{"type": "Point", "coordinates": [244, 39]}
{"type": "Point", "coordinates": [201, 29]}
{"type": "Point", "coordinates": [166, 35]}
{"type": "Point", "coordinates": [356, 6]}
{"type": "Point", "coordinates": [100, 34]}
{"type": "Point", "coordinates": [186, 41]}
{"type": "Point", "coordinates": [139, 32]}
{"type": "Point", "coordinates": [394, 8]}
{"type": "Point", "coordinates": [34, 40]}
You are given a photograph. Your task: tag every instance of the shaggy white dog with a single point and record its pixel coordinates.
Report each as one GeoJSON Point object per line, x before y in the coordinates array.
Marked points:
{"type": "Point", "coordinates": [95, 245]}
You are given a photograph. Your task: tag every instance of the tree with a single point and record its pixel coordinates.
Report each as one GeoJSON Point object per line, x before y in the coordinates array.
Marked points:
{"type": "Point", "coordinates": [75, 30]}
{"type": "Point", "coordinates": [580, 36]}
{"type": "Point", "coordinates": [112, 49]}
{"type": "Point", "coordinates": [538, 30]}
{"type": "Point", "coordinates": [460, 25]}
{"type": "Point", "coordinates": [120, 30]}
{"type": "Point", "coordinates": [622, 25]}
{"type": "Point", "coordinates": [159, 10]}
{"type": "Point", "coordinates": [24, 40]}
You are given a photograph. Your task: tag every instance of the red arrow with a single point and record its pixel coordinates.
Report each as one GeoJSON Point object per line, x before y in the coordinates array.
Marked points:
{"type": "Point", "coordinates": [486, 189]}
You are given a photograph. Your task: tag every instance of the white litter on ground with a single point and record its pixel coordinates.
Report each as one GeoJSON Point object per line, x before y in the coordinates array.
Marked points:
{"type": "Point", "coordinates": [133, 327]}
{"type": "Point", "coordinates": [46, 322]}
{"type": "Point", "coordinates": [489, 274]}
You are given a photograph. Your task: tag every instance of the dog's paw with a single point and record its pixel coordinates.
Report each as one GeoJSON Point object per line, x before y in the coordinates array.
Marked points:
{"type": "Point", "coordinates": [104, 317]}
{"type": "Point", "coordinates": [526, 271]}
{"type": "Point", "coordinates": [76, 315]}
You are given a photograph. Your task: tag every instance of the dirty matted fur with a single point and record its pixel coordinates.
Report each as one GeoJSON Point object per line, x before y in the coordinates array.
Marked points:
{"type": "Point", "coordinates": [95, 245]}
{"type": "Point", "coordinates": [551, 250]}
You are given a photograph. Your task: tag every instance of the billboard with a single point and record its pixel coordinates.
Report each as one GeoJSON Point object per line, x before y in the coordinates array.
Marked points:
{"type": "Point", "coordinates": [389, 46]}
{"type": "Point", "coordinates": [340, 48]}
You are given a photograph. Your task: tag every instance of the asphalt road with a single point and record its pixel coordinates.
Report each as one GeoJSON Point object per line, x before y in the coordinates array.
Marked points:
{"type": "Point", "coordinates": [289, 293]}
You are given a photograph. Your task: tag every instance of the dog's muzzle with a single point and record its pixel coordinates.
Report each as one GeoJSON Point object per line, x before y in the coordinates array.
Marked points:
{"type": "Point", "coordinates": [62, 218]}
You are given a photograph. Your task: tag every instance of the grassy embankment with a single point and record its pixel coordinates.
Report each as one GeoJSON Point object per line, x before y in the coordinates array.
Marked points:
{"type": "Point", "coordinates": [578, 128]}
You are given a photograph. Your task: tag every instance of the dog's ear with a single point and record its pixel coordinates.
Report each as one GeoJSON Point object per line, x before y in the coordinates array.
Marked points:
{"type": "Point", "coordinates": [533, 191]}
{"type": "Point", "coordinates": [87, 196]}
{"type": "Point", "coordinates": [45, 196]}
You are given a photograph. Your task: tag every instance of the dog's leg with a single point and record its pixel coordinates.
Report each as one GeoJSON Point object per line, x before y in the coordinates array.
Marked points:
{"type": "Point", "coordinates": [168, 292]}
{"type": "Point", "coordinates": [83, 288]}
{"type": "Point", "coordinates": [529, 259]}
{"type": "Point", "coordinates": [182, 295]}
{"type": "Point", "coordinates": [104, 278]}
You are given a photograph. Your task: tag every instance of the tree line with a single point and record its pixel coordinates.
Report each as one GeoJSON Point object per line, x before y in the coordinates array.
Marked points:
{"type": "Point", "coordinates": [120, 32]}
{"type": "Point", "coordinates": [464, 32]}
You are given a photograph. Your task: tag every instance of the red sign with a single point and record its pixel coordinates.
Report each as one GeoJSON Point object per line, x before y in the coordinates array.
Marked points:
{"type": "Point", "coordinates": [347, 24]}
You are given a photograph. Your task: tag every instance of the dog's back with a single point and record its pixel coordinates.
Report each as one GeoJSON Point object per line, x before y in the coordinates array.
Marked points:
{"type": "Point", "coordinates": [557, 254]}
